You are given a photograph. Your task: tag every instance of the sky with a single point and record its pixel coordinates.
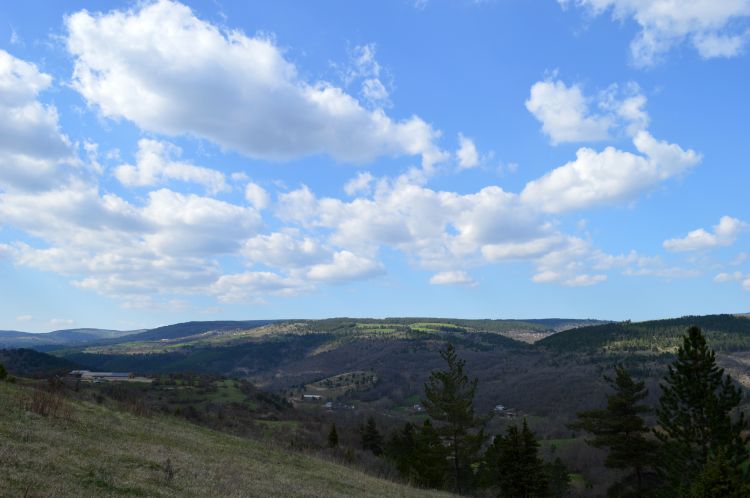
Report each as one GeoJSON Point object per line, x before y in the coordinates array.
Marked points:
{"type": "Point", "coordinates": [163, 161]}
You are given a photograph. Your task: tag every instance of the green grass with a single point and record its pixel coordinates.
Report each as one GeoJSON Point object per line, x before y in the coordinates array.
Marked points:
{"type": "Point", "coordinates": [91, 451]}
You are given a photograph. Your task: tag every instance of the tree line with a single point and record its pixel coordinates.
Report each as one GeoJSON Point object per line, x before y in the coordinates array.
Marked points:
{"type": "Point", "coordinates": [696, 448]}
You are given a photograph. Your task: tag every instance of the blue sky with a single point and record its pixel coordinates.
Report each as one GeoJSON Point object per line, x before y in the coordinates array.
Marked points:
{"type": "Point", "coordinates": [163, 161]}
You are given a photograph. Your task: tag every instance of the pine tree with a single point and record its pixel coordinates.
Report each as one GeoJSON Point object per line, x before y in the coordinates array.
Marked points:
{"type": "Point", "coordinates": [3, 372]}
{"type": "Point", "coordinates": [450, 402]}
{"type": "Point", "coordinates": [558, 478]}
{"type": "Point", "coordinates": [419, 455]}
{"type": "Point", "coordinates": [694, 416]}
{"type": "Point", "coordinates": [620, 428]}
{"type": "Point", "coordinates": [401, 448]}
{"type": "Point", "coordinates": [371, 438]}
{"type": "Point", "coordinates": [513, 465]}
{"type": "Point", "coordinates": [720, 479]}
{"type": "Point", "coordinates": [333, 437]}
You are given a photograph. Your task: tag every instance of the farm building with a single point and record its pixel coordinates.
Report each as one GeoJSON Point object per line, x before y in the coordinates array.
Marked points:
{"type": "Point", "coordinates": [101, 376]}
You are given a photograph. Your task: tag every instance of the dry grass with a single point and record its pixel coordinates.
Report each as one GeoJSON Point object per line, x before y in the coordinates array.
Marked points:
{"type": "Point", "coordinates": [95, 451]}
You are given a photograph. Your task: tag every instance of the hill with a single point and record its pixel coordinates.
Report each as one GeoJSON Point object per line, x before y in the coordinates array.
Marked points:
{"type": "Point", "coordinates": [31, 363]}
{"type": "Point", "coordinates": [57, 338]}
{"type": "Point", "coordinates": [186, 329]}
{"type": "Point", "coordinates": [86, 449]}
{"type": "Point", "coordinates": [724, 332]}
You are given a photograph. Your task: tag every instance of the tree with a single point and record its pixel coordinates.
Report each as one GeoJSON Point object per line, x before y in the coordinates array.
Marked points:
{"type": "Point", "coordinates": [371, 438]}
{"type": "Point", "coordinates": [719, 479]}
{"type": "Point", "coordinates": [694, 416]}
{"type": "Point", "coordinates": [558, 478]}
{"type": "Point", "coordinates": [419, 455]}
{"type": "Point", "coordinates": [3, 372]}
{"type": "Point", "coordinates": [333, 437]}
{"type": "Point", "coordinates": [449, 400]}
{"type": "Point", "coordinates": [512, 464]}
{"type": "Point", "coordinates": [620, 428]}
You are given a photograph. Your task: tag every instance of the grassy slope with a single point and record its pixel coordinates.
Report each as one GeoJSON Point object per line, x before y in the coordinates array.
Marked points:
{"type": "Point", "coordinates": [96, 451]}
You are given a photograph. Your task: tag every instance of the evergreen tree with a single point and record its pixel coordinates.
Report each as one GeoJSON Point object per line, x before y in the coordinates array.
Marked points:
{"type": "Point", "coordinates": [401, 449]}
{"type": "Point", "coordinates": [558, 478]}
{"type": "Point", "coordinates": [3, 372]}
{"type": "Point", "coordinates": [512, 464]}
{"type": "Point", "coordinates": [720, 479]}
{"type": "Point", "coordinates": [695, 420]}
{"type": "Point", "coordinates": [333, 437]}
{"type": "Point", "coordinates": [620, 428]}
{"type": "Point", "coordinates": [450, 402]}
{"type": "Point", "coordinates": [419, 455]}
{"type": "Point", "coordinates": [371, 438]}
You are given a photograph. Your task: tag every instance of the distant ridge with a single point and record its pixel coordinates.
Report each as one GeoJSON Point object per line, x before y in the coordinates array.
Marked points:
{"type": "Point", "coordinates": [724, 333]}
{"type": "Point", "coordinates": [185, 329]}
{"type": "Point", "coordinates": [66, 337]}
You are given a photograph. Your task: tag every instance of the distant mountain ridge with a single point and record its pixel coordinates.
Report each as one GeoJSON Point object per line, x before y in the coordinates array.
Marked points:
{"type": "Point", "coordinates": [724, 333]}
{"type": "Point", "coordinates": [66, 337]}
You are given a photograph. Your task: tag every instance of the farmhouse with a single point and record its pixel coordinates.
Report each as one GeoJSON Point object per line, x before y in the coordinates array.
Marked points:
{"type": "Point", "coordinates": [90, 376]}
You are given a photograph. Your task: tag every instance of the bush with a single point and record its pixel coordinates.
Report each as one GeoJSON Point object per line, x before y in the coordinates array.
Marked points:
{"type": "Point", "coordinates": [44, 403]}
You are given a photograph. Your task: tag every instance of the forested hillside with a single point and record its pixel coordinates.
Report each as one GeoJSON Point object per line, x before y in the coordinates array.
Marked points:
{"type": "Point", "coordinates": [725, 332]}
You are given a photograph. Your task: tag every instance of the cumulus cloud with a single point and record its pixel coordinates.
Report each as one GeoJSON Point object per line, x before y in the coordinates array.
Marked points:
{"type": "Point", "coordinates": [564, 113]}
{"type": "Point", "coordinates": [33, 150]}
{"type": "Point", "coordinates": [284, 250]}
{"type": "Point", "coordinates": [611, 175]}
{"type": "Point", "coordinates": [453, 278]}
{"type": "Point", "coordinates": [168, 71]}
{"type": "Point", "coordinates": [724, 234]}
{"type": "Point", "coordinates": [360, 184]}
{"type": "Point", "coordinates": [257, 196]}
{"type": "Point", "coordinates": [119, 249]}
{"type": "Point", "coordinates": [713, 28]}
{"type": "Point", "coordinates": [254, 286]}
{"type": "Point", "coordinates": [155, 165]}
{"type": "Point", "coordinates": [567, 115]}
{"type": "Point", "coordinates": [467, 154]}
{"type": "Point", "coordinates": [344, 266]}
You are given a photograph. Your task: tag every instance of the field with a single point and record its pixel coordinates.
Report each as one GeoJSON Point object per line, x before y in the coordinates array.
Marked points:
{"type": "Point", "coordinates": [90, 450]}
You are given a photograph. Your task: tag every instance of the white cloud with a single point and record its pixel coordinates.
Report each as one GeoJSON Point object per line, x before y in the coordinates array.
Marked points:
{"type": "Point", "coordinates": [569, 263]}
{"type": "Point", "coordinates": [728, 277]}
{"type": "Point", "coordinates": [467, 154]}
{"type": "Point", "coordinates": [453, 278]}
{"type": "Point", "coordinates": [170, 72]}
{"type": "Point", "coordinates": [24, 318]}
{"type": "Point", "coordinates": [724, 234]}
{"type": "Point", "coordinates": [564, 113]}
{"type": "Point", "coordinates": [284, 251]}
{"type": "Point", "coordinates": [257, 196]}
{"type": "Point", "coordinates": [155, 165]}
{"type": "Point", "coordinates": [567, 115]}
{"type": "Point", "coordinates": [345, 266]}
{"type": "Point", "coordinates": [713, 27]}
{"type": "Point", "coordinates": [61, 322]}
{"type": "Point", "coordinates": [33, 151]}
{"type": "Point", "coordinates": [608, 176]}
{"type": "Point", "coordinates": [254, 286]}
{"type": "Point", "coordinates": [364, 67]}
{"type": "Point", "coordinates": [360, 184]}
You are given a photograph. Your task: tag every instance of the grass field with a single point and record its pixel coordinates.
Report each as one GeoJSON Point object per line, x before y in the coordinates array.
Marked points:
{"type": "Point", "coordinates": [89, 450]}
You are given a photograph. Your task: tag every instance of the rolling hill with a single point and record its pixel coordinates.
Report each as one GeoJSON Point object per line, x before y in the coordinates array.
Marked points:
{"type": "Point", "coordinates": [58, 338]}
{"type": "Point", "coordinates": [724, 332]}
